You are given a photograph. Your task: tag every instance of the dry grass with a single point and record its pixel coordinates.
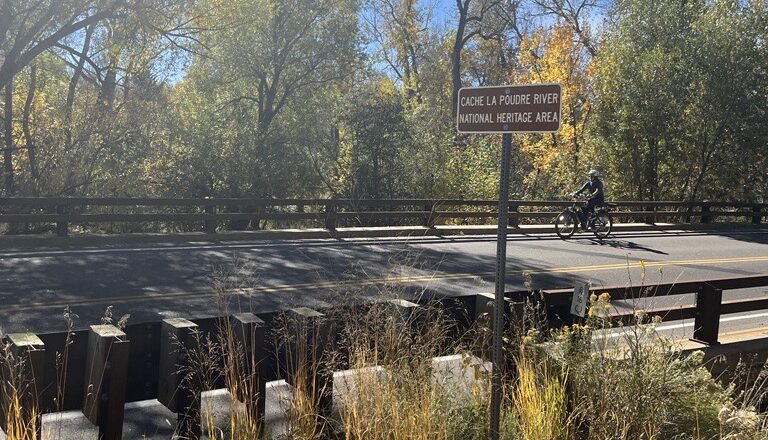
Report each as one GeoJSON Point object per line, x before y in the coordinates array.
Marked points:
{"type": "Point", "coordinates": [539, 401]}
{"type": "Point", "coordinates": [20, 408]}
{"type": "Point", "coordinates": [401, 400]}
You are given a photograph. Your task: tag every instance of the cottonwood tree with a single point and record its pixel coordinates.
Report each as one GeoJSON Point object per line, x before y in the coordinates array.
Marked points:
{"type": "Point", "coordinates": [679, 89]}
{"type": "Point", "coordinates": [104, 42]}
{"type": "Point", "coordinates": [401, 31]}
{"type": "Point", "coordinates": [271, 60]}
{"type": "Point", "coordinates": [557, 161]}
{"type": "Point", "coordinates": [475, 19]}
{"type": "Point", "coordinates": [576, 14]}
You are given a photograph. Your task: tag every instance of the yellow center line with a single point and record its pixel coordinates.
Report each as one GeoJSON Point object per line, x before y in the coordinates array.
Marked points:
{"type": "Point", "coordinates": [635, 264]}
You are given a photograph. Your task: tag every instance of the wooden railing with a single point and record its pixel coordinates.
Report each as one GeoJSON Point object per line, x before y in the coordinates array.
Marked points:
{"type": "Point", "coordinates": [167, 214]}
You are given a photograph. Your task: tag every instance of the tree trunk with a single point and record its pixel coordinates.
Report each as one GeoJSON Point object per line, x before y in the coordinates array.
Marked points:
{"type": "Point", "coordinates": [8, 131]}
{"type": "Point", "coordinates": [458, 46]}
{"type": "Point", "coordinates": [73, 86]}
{"type": "Point", "coordinates": [30, 142]}
{"type": "Point", "coordinates": [652, 169]}
{"type": "Point", "coordinates": [108, 89]}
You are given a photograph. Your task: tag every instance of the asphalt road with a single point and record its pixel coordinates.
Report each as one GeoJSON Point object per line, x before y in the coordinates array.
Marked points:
{"type": "Point", "coordinates": [181, 279]}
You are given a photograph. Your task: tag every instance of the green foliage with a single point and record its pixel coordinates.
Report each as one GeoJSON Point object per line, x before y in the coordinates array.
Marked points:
{"type": "Point", "coordinates": [669, 396]}
{"type": "Point", "coordinates": [294, 98]}
{"type": "Point", "coordinates": [678, 86]}
{"type": "Point", "coordinates": [377, 146]}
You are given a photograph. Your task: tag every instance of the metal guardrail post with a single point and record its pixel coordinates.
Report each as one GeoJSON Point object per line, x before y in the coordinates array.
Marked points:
{"type": "Point", "coordinates": [178, 388]}
{"type": "Point", "coordinates": [707, 322]}
{"type": "Point", "coordinates": [106, 375]}
{"type": "Point", "coordinates": [248, 332]}
{"type": "Point", "coordinates": [706, 216]}
{"type": "Point", "coordinates": [210, 225]}
{"type": "Point", "coordinates": [757, 216]}
{"type": "Point", "coordinates": [514, 210]}
{"type": "Point", "coordinates": [330, 216]}
{"type": "Point", "coordinates": [62, 227]}
{"type": "Point", "coordinates": [429, 220]}
{"type": "Point", "coordinates": [27, 358]}
{"type": "Point", "coordinates": [650, 220]}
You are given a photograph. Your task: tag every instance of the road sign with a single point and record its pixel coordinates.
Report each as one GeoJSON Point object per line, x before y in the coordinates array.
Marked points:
{"type": "Point", "coordinates": [528, 108]}
{"type": "Point", "coordinates": [580, 299]}
{"type": "Point", "coordinates": [522, 108]}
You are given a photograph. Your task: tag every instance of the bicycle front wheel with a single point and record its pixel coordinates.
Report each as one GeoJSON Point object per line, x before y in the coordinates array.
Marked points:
{"type": "Point", "coordinates": [603, 224]}
{"type": "Point", "coordinates": [565, 224]}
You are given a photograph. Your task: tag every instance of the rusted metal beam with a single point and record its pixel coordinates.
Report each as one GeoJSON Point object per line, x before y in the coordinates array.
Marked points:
{"type": "Point", "coordinates": [664, 289]}
{"type": "Point", "coordinates": [179, 385]}
{"type": "Point", "coordinates": [106, 372]}
{"type": "Point", "coordinates": [707, 323]}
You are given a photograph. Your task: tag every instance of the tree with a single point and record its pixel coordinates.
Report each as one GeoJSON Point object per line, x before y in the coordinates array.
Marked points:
{"type": "Point", "coordinates": [677, 86]}
{"type": "Point", "coordinates": [104, 41]}
{"type": "Point", "coordinates": [400, 29]}
{"type": "Point", "coordinates": [376, 143]}
{"type": "Point", "coordinates": [27, 29]}
{"type": "Point", "coordinates": [472, 22]}
{"type": "Point", "coordinates": [558, 161]}
{"type": "Point", "coordinates": [267, 63]}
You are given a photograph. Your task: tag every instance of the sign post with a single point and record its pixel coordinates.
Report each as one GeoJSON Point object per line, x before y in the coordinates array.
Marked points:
{"type": "Point", "coordinates": [528, 108]}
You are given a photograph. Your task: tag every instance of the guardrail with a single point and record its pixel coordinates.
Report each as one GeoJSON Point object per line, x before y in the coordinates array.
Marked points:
{"type": "Point", "coordinates": [108, 367]}
{"type": "Point", "coordinates": [238, 214]}
{"type": "Point", "coordinates": [705, 312]}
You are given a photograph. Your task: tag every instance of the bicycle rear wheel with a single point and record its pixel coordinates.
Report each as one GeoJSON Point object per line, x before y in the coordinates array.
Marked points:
{"type": "Point", "coordinates": [565, 224]}
{"type": "Point", "coordinates": [602, 224]}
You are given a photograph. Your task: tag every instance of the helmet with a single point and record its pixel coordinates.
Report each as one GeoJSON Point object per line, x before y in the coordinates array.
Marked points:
{"type": "Point", "coordinates": [593, 173]}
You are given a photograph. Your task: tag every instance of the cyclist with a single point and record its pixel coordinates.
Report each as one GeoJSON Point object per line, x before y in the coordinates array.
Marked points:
{"type": "Point", "coordinates": [596, 198]}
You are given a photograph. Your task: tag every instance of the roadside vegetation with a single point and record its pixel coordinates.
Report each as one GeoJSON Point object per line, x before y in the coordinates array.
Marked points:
{"type": "Point", "coordinates": [589, 381]}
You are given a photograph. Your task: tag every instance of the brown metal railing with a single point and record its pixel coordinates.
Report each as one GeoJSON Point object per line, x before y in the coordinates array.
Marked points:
{"type": "Point", "coordinates": [706, 311]}
{"type": "Point", "coordinates": [231, 213]}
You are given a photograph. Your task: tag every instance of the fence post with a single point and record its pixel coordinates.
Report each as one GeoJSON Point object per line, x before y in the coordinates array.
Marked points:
{"type": "Point", "coordinates": [650, 220]}
{"type": "Point", "coordinates": [308, 333]}
{"type": "Point", "coordinates": [409, 312]}
{"type": "Point", "coordinates": [514, 210]}
{"type": "Point", "coordinates": [429, 220]}
{"type": "Point", "coordinates": [707, 322]}
{"type": "Point", "coordinates": [705, 213]}
{"type": "Point", "coordinates": [62, 226]}
{"type": "Point", "coordinates": [249, 362]}
{"type": "Point", "coordinates": [757, 216]}
{"type": "Point", "coordinates": [210, 224]}
{"type": "Point", "coordinates": [105, 380]}
{"type": "Point", "coordinates": [178, 386]}
{"type": "Point", "coordinates": [24, 373]}
{"type": "Point", "coordinates": [330, 215]}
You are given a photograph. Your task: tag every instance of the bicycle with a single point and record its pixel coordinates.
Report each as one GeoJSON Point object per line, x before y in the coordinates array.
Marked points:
{"type": "Point", "coordinates": [600, 221]}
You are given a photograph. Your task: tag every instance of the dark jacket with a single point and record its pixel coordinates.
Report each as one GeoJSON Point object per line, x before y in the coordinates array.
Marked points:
{"type": "Point", "coordinates": [595, 191]}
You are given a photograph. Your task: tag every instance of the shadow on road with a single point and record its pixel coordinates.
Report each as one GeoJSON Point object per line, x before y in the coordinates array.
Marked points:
{"type": "Point", "coordinates": [619, 244]}
{"type": "Point", "coordinates": [155, 285]}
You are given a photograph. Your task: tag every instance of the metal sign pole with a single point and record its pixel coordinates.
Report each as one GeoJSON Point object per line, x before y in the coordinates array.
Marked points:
{"type": "Point", "coordinates": [498, 304]}
{"type": "Point", "coordinates": [520, 108]}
